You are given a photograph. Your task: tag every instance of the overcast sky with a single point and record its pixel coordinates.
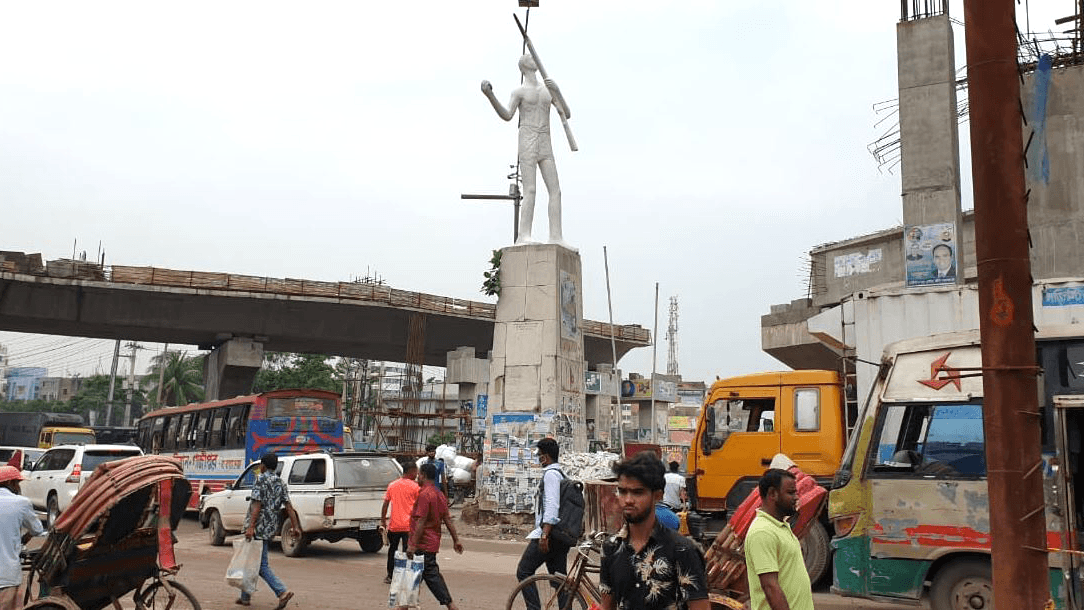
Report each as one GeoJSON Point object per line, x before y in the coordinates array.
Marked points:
{"type": "Point", "coordinates": [719, 142]}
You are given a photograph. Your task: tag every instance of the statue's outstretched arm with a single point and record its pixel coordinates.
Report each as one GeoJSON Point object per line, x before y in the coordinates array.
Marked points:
{"type": "Point", "coordinates": [504, 113]}
{"type": "Point", "coordinates": [558, 98]}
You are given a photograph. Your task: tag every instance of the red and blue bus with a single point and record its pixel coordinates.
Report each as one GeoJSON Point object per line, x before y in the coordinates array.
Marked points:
{"type": "Point", "coordinates": [216, 440]}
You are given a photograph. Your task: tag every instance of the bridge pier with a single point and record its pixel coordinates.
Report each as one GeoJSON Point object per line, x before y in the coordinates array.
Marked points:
{"type": "Point", "coordinates": [230, 368]}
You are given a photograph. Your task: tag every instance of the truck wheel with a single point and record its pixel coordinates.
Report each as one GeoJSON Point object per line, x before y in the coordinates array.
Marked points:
{"type": "Point", "coordinates": [217, 532]}
{"type": "Point", "coordinates": [964, 584]}
{"type": "Point", "coordinates": [293, 542]}
{"type": "Point", "coordinates": [816, 551]}
{"type": "Point", "coordinates": [371, 542]}
{"type": "Point", "coordinates": [52, 511]}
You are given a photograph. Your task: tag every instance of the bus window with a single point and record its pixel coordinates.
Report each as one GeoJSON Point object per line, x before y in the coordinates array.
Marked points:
{"type": "Point", "coordinates": [301, 406]}
{"type": "Point", "coordinates": [238, 423]}
{"type": "Point", "coordinates": [218, 429]}
{"type": "Point", "coordinates": [182, 433]}
{"type": "Point", "coordinates": [201, 429]}
{"type": "Point", "coordinates": [169, 438]}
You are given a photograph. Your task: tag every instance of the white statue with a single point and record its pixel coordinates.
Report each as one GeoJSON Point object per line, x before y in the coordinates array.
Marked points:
{"type": "Point", "coordinates": [535, 148]}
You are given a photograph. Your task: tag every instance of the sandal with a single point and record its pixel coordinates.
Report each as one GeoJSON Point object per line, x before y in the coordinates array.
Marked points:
{"type": "Point", "coordinates": [284, 599]}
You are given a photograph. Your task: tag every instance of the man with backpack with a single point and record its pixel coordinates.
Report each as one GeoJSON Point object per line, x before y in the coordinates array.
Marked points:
{"type": "Point", "coordinates": [558, 521]}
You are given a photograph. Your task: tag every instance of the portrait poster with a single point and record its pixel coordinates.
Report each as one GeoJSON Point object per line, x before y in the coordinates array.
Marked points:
{"type": "Point", "coordinates": [930, 254]}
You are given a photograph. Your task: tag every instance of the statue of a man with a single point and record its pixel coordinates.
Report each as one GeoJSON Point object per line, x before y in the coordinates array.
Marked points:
{"type": "Point", "coordinates": [535, 149]}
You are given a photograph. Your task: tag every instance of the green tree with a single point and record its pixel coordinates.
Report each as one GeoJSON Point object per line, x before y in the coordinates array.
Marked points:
{"type": "Point", "coordinates": [283, 370]}
{"type": "Point", "coordinates": [93, 395]}
{"type": "Point", "coordinates": [182, 378]}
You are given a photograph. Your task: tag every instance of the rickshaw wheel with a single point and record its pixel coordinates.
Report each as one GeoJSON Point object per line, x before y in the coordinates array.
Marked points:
{"type": "Point", "coordinates": [157, 597]}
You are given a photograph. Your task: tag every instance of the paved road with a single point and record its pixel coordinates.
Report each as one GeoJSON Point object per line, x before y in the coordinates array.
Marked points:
{"type": "Point", "coordinates": [339, 575]}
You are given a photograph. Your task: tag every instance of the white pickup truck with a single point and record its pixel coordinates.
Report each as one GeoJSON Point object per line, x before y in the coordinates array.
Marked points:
{"type": "Point", "coordinates": [336, 496]}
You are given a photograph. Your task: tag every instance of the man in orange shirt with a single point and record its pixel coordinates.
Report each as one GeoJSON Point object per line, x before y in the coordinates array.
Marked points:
{"type": "Point", "coordinates": [430, 510]}
{"type": "Point", "coordinates": [401, 494]}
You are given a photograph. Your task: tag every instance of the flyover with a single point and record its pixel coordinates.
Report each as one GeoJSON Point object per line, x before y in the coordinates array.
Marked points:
{"type": "Point", "coordinates": [354, 319]}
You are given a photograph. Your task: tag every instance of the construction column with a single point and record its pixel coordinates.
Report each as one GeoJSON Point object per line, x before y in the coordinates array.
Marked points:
{"type": "Point", "coordinates": [230, 368]}
{"type": "Point", "coordinates": [929, 146]}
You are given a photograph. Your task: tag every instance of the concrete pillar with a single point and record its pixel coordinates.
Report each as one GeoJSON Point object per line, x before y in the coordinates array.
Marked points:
{"type": "Point", "coordinates": [929, 134]}
{"type": "Point", "coordinates": [537, 363]}
{"type": "Point", "coordinates": [230, 368]}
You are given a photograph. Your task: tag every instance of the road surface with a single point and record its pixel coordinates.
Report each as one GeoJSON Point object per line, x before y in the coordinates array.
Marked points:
{"type": "Point", "coordinates": [339, 575]}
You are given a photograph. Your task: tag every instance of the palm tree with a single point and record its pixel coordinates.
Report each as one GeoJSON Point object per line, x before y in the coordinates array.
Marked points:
{"type": "Point", "coordinates": [182, 378]}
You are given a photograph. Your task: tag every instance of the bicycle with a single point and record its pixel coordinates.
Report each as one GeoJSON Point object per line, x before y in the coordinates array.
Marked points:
{"type": "Point", "coordinates": [572, 591]}
{"type": "Point", "coordinates": [576, 591]}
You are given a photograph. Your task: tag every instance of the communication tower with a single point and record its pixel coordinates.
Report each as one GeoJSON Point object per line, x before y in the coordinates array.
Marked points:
{"type": "Point", "coordinates": [671, 338]}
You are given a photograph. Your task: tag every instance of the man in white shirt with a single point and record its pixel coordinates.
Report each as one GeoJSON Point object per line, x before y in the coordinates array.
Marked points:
{"type": "Point", "coordinates": [541, 550]}
{"type": "Point", "coordinates": [16, 514]}
{"type": "Point", "coordinates": [674, 493]}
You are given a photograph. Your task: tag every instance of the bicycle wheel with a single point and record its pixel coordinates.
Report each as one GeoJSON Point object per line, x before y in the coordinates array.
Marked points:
{"type": "Point", "coordinates": [550, 594]}
{"type": "Point", "coordinates": [157, 596]}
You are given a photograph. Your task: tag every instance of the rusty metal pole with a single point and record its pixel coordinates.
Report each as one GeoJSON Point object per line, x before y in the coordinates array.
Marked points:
{"type": "Point", "coordinates": [1011, 412]}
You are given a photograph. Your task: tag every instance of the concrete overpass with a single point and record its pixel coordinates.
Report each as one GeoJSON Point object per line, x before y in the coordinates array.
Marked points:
{"type": "Point", "coordinates": [211, 310]}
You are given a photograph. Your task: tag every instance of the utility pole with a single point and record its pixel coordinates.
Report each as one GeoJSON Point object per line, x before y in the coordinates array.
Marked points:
{"type": "Point", "coordinates": [1011, 416]}
{"type": "Point", "coordinates": [654, 360]}
{"type": "Point", "coordinates": [131, 384]}
{"type": "Point", "coordinates": [112, 382]}
{"type": "Point", "coordinates": [162, 372]}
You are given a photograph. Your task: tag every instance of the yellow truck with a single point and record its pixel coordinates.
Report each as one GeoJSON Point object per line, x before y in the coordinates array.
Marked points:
{"type": "Point", "coordinates": [43, 430]}
{"type": "Point", "coordinates": [747, 420]}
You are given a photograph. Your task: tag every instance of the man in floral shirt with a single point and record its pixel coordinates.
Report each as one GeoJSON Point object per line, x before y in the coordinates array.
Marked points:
{"type": "Point", "coordinates": [269, 498]}
{"type": "Point", "coordinates": [647, 566]}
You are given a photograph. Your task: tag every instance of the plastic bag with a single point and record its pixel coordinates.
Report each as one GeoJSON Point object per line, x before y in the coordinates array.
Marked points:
{"type": "Point", "coordinates": [406, 580]}
{"type": "Point", "coordinates": [244, 568]}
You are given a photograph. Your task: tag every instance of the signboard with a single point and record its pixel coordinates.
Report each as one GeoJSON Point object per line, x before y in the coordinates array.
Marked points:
{"type": "Point", "coordinates": [1063, 296]}
{"type": "Point", "coordinates": [595, 382]}
{"type": "Point", "coordinates": [640, 389]}
{"type": "Point", "coordinates": [481, 403]}
{"type": "Point", "coordinates": [682, 422]}
{"type": "Point", "coordinates": [930, 254]}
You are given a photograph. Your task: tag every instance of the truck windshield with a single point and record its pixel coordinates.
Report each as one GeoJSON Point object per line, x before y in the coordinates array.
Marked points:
{"type": "Point", "coordinates": [73, 438]}
{"type": "Point", "coordinates": [365, 472]}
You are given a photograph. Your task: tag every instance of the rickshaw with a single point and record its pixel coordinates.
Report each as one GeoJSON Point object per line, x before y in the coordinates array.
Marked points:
{"type": "Point", "coordinates": [116, 538]}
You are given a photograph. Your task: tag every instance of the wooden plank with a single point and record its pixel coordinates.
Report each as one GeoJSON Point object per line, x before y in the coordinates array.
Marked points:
{"type": "Point", "coordinates": [321, 289]}
{"type": "Point", "coordinates": [133, 275]}
{"type": "Point", "coordinates": [207, 279]}
{"type": "Point", "coordinates": [249, 283]}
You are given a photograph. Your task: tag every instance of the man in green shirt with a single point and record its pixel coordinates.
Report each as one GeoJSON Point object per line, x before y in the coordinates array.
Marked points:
{"type": "Point", "coordinates": [773, 557]}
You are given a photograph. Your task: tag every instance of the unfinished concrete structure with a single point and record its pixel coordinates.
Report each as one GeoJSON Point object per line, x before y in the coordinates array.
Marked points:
{"type": "Point", "coordinates": [859, 296]}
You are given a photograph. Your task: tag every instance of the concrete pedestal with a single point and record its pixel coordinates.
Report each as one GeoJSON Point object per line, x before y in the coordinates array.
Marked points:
{"type": "Point", "coordinates": [538, 361]}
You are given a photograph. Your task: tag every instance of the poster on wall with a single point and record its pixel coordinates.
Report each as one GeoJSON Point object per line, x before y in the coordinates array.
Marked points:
{"type": "Point", "coordinates": [930, 254]}
{"type": "Point", "coordinates": [570, 324]}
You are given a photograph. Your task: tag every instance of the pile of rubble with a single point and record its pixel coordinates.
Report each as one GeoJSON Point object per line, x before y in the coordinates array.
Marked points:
{"type": "Point", "coordinates": [588, 466]}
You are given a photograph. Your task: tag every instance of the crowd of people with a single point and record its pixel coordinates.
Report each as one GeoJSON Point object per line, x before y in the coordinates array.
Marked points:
{"type": "Point", "coordinates": [646, 565]}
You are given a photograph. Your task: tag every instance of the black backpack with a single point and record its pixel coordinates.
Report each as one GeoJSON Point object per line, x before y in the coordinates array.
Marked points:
{"type": "Point", "coordinates": [569, 527]}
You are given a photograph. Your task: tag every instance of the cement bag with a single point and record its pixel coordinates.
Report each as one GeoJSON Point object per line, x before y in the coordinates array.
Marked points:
{"type": "Point", "coordinates": [460, 476]}
{"type": "Point", "coordinates": [406, 580]}
{"type": "Point", "coordinates": [244, 568]}
{"type": "Point", "coordinates": [446, 453]}
{"type": "Point", "coordinates": [463, 462]}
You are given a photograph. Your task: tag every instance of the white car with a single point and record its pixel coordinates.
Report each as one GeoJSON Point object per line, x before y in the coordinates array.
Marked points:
{"type": "Point", "coordinates": [29, 456]}
{"type": "Point", "coordinates": [59, 474]}
{"type": "Point", "coordinates": [336, 496]}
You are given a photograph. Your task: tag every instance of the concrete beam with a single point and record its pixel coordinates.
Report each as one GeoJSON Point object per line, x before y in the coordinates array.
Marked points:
{"type": "Point", "coordinates": [285, 323]}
